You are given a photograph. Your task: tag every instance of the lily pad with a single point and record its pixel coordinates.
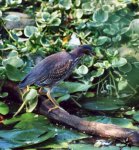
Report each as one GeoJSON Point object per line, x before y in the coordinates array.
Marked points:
{"type": "Point", "coordinates": [103, 104]}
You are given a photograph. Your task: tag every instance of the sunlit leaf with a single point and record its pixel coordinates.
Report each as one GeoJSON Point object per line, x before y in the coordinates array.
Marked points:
{"type": "Point", "coordinates": [4, 109]}
{"type": "Point", "coordinates": [119, 62]}
{"type": "Point", "coordinates": [78, 13]}
{"type": "Point", "coordinates": [82, 70]}
{"type": "Point", "coordinates": [122, 84]}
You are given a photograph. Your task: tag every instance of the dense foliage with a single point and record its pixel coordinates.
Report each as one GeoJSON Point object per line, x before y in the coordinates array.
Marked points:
{"type": "Point", "coordinates": [107, 83]}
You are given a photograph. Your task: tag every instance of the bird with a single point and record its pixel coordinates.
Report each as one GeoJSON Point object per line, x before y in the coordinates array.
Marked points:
{"type": "Point", "coordinates": [55, 68]}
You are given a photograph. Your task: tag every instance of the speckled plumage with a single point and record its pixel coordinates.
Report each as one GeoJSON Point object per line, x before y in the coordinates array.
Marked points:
{"type": "Point", "coordinates": [55, 68]}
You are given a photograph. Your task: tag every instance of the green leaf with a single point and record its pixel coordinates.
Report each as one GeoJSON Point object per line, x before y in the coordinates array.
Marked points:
{"type": "Point", "coordinates": [78, 13]}
{"type": "Point", "coordinates": [86, 6]}
{"type": "Point", "coordinates": [16, 138]}
{"type": "Point", "coordinates": [66, 4]}
{"type": "Point", "coordinates": [31, 95]}
{"type": "Point", "coordinates": [97, 73]}
{"type": "Point", "coordinates": [4, 109]}
{"type": "Point", "coordinates": [102, 40]}
{"type": "Point", "coordinates": [30, 30]}
{"type": "Point", "coordinates": [73, 87]}
{"type": "Point", "coordinates": [63, 138]}
{"type": "Point", "coordinates": [46, 16]}
{"type": "Point", "coordinates": [82, 70]}
{"type": "Point", "coordinates": [3, 95]}
{"type": "Point", "coordinates": [55, 22]}
{"type": "Point", "coordinates": [32, 100]}
{"type": "Point", "coordinates": [122, 85]}
{"type": "Point", "coordinates": [28, 121]}
{"type": "Point", "coordinates": [126, 68]}
{"type": "Point", "coordinates": [136, 116]}
{"type": "Point", "coordinates": [103, 103]}
{"type": "Point", "coordinates": [134, 25]}
{"type": "Point", "coordinates": [13, 73]}
{"type": "Point", "coordinates": [15, 61]}
{"type": "Point", "coordinates": [136, 64]}
{"type": "Point", "coordinates": [119, 62]}
{"type": "Point", "coordinates": [63, 98]}
{"type": "Point", "coordinates": [123, 122]}
{"type": "Point", "coordinates": [100, 16]}
{"type": "Point", "coordinates": [77, 2]}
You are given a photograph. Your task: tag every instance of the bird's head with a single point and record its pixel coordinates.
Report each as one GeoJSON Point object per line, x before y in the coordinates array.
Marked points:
{"type": "Point", "coordinates": [83, 49]}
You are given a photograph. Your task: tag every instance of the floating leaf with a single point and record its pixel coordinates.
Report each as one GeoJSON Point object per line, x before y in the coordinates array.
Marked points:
{"type": "Point", "coordinates": [17, 138]}
{"type": "Point", "coordinates": [103, 103]}
{"type": "Point", "coordinates": [63, 138]}
{"type": "Point", "coordinates": [28, 121]}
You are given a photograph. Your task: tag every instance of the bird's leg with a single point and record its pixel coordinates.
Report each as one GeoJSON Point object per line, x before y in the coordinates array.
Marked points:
{"type": "Point", "coordinates": [27, 88]}
{"type": "Point", "coordinates": [41, 92]}
{"type": "Point", "coordinates": [52, 100]}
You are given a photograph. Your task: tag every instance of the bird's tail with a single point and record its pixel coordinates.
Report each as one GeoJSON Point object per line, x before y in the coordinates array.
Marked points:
{"type": "Point", "coordinates": [23, 83]}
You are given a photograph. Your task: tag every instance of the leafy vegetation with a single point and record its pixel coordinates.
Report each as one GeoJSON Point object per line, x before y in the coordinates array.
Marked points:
{"type": "Point", "coordinates": [106, 84]}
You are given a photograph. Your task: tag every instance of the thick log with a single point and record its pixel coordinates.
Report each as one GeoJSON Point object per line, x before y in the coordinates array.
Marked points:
{"type": "Point", "coordinates": [90, 127]}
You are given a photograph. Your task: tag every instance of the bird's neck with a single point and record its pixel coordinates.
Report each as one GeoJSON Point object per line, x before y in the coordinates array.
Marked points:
{"type": "Point", "coordinates": [76, 53]}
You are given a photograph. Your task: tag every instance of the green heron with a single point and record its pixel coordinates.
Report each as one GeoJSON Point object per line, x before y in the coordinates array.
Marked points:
{"type": "Point", "coordinates": [55, 68]}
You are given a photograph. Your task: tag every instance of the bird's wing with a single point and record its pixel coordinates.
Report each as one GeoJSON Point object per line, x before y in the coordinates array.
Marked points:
{"type": "Point", "coordinates": [50, 69]}
{"type": "Point", "coordinates": [58, 72]}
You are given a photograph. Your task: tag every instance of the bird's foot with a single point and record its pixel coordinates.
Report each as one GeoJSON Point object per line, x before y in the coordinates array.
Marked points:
{"type": "Point", "coordinates": [53, 108]}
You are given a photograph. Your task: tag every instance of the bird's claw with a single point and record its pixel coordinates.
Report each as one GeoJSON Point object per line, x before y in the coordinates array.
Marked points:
{"type": "Point", "coordinates": [55, 107]}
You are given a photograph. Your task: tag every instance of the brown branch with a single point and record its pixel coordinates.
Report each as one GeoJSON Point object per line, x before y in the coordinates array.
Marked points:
{"type": "Point", "coordinates": [94, 128]}
{"type": "Point", "coordinates": [89, 127]}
